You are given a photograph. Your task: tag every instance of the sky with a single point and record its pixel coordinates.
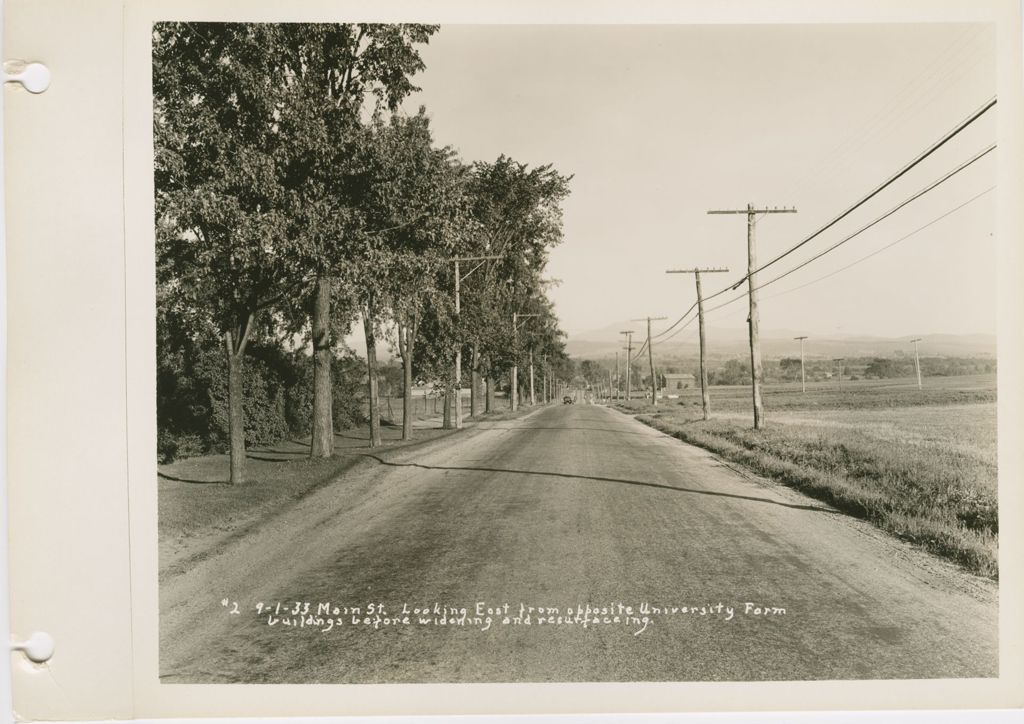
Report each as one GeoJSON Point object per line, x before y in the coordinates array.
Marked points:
{"type": "Point", "coordinates": [659, 124]}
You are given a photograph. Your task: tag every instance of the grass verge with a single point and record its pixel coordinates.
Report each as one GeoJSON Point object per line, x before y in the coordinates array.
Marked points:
{"type": "Point", "coordinates": [942, 497]}
{"type": "Point", "coordinates": [198, 511]}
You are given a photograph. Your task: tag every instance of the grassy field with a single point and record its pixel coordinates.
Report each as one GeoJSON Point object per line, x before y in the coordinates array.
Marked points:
{"type": "Point", "coordinates": [921, 464]}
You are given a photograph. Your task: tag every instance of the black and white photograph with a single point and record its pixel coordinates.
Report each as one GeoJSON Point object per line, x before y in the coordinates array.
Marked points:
{"type": "Point", "coordinates": [561, 353]}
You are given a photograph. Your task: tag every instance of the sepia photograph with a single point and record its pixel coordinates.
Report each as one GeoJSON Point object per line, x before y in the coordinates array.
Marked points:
{"type": "Point", "coordinates": [560, 353]}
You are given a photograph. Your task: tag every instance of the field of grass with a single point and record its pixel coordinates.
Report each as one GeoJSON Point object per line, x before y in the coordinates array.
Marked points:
{"type": "Point", "coordinates": [920, 464]}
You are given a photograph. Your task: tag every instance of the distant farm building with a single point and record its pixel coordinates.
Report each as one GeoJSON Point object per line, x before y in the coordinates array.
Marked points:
{"type": "Point", "coordinates": [675, 382]}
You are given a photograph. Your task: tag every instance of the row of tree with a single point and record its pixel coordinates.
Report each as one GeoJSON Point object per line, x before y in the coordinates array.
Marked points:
{"type": "Point", "coordinates": [295, 198]}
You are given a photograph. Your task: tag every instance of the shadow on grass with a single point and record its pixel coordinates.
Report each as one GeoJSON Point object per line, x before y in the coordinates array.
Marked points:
{"type": "Point", "coordinates": [599, 479]}
{"type": "Point", "coordinates": [176, 479]}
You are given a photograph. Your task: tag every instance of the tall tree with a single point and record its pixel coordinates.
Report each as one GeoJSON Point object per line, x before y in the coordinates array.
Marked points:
{"type": "Point", "coordinates": [414, 219]}
{"type": "Point", "coordinates": [518, 209]}
{"type": "Point", "coordinates": [336, 73]}
{"type": "Point", "coordinates": [223, 247]}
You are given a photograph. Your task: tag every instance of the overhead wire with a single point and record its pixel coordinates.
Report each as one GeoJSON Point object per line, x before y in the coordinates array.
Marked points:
{"type": "Point", "coordinates": [887, 246]}
{"type": "Point", "coordinates": [878, 189]}
{"type": "Point", "coordinates": [977, 157]}
{"type": "Point", "coordinates": [915, 96]}
{"type": "Point", "coordinates": [919, 229]}
{"type": "Point", "coordinates": [892, 179]}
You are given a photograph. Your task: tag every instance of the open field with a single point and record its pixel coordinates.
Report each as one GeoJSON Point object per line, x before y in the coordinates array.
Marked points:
{"type": "Point", "coordinates": [921, 464]}
{"type": "Point", "coordinates": [854, 394]}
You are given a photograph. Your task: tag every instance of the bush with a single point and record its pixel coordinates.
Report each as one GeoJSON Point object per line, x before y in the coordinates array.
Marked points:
{"type": "Point", "coordinates": [170, 447]}
{"type": "Point", "coordinates": [192, 396]}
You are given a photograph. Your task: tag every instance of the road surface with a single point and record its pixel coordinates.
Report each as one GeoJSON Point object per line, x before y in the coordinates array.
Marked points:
{"type": "Point", "coordinates": [697, 572]}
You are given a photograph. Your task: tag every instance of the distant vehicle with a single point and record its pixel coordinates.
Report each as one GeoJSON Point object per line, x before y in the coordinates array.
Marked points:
{"type": "Point", "coordinates": [567, 400]}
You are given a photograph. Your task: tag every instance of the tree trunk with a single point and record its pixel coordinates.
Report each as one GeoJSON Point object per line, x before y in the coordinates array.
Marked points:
{"type": "Point", "coordinates": [489, 397]}
{"type": "Point", "coordinates": [371, 369]}
{"type": "Point", "coordinates": [405, 348]}
{"type": "Point", "coordinates": [236, 414]}
{"type": "Point", "coordinates": [322, 441]}
{"type": "Point", "coordinates": [234, 344]}
{"type": "Point", "coordinates": [446, 418]}
{"type": "Point", "coordinates": [474, 381]}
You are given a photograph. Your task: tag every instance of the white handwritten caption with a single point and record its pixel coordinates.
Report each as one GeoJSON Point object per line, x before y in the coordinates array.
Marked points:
{"type": "Point", "coordinates": [326, 616]}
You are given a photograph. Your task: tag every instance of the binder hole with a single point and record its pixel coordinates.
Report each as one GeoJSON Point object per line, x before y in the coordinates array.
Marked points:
{"type": "Point", "coordinates": [38, 649]}
{"type": "Point", "coordinates": [33, 77]}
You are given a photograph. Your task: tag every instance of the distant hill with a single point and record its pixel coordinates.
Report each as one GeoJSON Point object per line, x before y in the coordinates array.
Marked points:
{"type": "Point", "coordinates": [730, 342]}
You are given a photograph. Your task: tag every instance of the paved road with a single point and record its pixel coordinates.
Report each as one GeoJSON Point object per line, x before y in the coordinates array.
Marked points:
{"type": "Point", "coordinates": [573, 506]}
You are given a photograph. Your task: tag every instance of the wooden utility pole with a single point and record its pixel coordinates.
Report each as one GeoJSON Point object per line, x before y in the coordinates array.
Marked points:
{"type": "Point", "coordinates": [704, 392]}
{"type": "Point", "coordinates": [533, 400]}
{"type": "Point", "coordinates": [840, 360]}
{"type": "Point", "coordinates": [650, 356]}
{"type": "Point", "coordinates": [544, 393]}
{"type": "Point", "coordinates": [458, 347]}
{"type": "Point", "coordinates": [513, 390]}
{"type": "Point", "coordinates": [616, 375]}
{"type": "Point", "coordinates": [629, 359]}
{"type": "Point", "coordinates": [515, 363]}
{"type": "Point", "coordinates": [756, 373]}
{"type": "Point", "coordinates": [917, 362]}
{"type": "Point", "coordinates": [803, 378]}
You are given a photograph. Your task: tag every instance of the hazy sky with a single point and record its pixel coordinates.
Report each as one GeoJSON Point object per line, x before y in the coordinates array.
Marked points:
{"type": "Point", "coordinates": [658, 124]}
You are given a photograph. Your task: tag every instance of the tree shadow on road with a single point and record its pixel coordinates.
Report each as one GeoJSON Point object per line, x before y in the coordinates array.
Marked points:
{"type": "Point", "coordinates": [622, 481]}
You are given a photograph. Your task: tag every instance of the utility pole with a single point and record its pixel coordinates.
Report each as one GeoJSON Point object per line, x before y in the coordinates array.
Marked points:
{"type": "Point", "coordinates": [803, 378]}
{"type": "Point", "coordinates": [650, 356]}
{"type": "Point", "coordinates": [516, 316]}
{"type": "Point", "coordinates": [840, 360]}
{"type": "Point", "coordinates": [533, 400]}
{"type": "Point", "coordinates": [756, 374]}
{"type": "Point", "coordinates": [544, 393]}
{"type": "Point", "coordinates": [917, 362]}
{"type": "Point", "coordinates": [458, 347]}
{"type": "Point", "coordinates": [616, 375]}
{"type": "Point", "coordinates": [704, 392]}
{"type": "Point", "coordinates": [629, 358]}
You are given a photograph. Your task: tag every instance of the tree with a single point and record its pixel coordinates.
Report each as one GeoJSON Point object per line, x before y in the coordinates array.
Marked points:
{"type": "Point", "coordinates": [413, 219]}
{"type": "Point", "coordinates": [331, 70]}
{"type": "Point", "coordinates": [882, 368]}
{"type": "Point", "coordinates": [223, 247]}
{"type": "Point", "coordinates": [789, 368]}
{"type": "Point", "coordinates": [518, 210]}
{"type": "Point", "coordinates": [734, 372]}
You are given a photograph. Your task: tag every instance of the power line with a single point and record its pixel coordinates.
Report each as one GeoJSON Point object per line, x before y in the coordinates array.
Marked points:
{"type": "Point", "coordinates": [639, 352]}
{"type": "Point", "coordinates": [743, 295]}
{"type": "Point", "coordinates": [887, 214]}
{"type": "Point", "coordinates": [675, 323]}
{"type": "Point", "coordinates": [920, 91]}
{"type": "Point", "coordinates": [889, 245]}
{"type": "Point", "coordinates": [878, 189]}
{"type": "Point", "coordinates": [691, 322]}
{"type": "Point", "coordinates": [927, 152]}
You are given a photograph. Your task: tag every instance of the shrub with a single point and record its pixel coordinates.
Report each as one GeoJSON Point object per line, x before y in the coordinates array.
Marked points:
{"type": "Point", "coordinates": [192, 396]}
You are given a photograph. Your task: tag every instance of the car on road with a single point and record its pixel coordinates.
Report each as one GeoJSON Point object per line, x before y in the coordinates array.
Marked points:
{"type": "Point", "coordinates": [567, 400]}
